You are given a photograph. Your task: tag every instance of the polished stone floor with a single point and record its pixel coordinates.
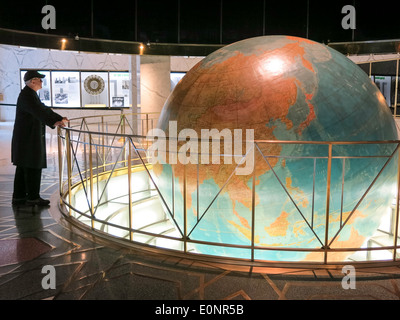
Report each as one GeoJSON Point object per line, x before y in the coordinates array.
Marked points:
{"type": "Point", "coordinates": [87, 268]}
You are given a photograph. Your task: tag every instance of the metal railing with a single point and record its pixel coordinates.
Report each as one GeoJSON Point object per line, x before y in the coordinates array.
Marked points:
{"type": "Point", "coordinates": [94, 151]}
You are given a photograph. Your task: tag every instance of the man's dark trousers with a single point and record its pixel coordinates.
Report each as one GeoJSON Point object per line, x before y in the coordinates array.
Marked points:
{"type": "Point", "coordinates": [27, 183]}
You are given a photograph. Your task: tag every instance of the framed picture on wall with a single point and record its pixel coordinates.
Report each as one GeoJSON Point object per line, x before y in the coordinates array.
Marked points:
{"type": "Point", "coordinates": [66, 91]}
{"type": "Point", "coordinates": [120, 89]}
{"type": "Point", "coordinates": [94, 88]}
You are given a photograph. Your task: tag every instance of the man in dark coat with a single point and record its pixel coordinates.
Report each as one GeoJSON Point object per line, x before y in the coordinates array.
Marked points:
{"type": "Point", "coordinates": [28, 147]}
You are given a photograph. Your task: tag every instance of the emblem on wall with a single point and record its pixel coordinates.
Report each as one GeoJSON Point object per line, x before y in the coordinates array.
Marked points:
{"type": "Point", "coordinates": [94, 85]}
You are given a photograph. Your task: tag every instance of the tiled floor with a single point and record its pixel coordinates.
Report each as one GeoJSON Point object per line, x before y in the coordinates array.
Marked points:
{"type": "Point", "coordinates": [88, 268]}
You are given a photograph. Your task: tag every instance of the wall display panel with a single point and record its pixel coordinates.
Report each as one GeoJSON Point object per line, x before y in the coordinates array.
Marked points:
{"type": "Point", "coordinates": [44, 93]}
{"type": "Point", "coordinates": [65, 87]}
{"type": "Point", "coordinates": [94, 88]}
{"type": "Point", "coordinates": [120, 89]}
{"type": "Point", "coordinates": [76, 89]}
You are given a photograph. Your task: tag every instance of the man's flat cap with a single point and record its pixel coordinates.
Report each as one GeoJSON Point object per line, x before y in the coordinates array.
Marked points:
{"type": "Point", "coordinates": [30, 74]}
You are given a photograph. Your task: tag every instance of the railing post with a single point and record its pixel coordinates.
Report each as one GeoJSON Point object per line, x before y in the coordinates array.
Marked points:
{"type": "Point", "coordinates": [147, 131]}
{"type": "Point", "coordinates": [130, 188]}
{"type": "Point", "coordinates": [102, 142]}
{"type": "Point", "coordinates": [396, 228]}
{"type": "Point", "coordinates": [328, 194]}
{"type": "Point", "coordinates": [184, 211]}
{"type": "Point", "coordinates": [60, 164]}
{"type": "Point", "coordinates": [69, 168]}
{"type": "Point", "coordinates": [253, 211]}
{"type": "Point", "coordinates": [91, 179]}
{"type": "Point", "coordinates": [122, 121]}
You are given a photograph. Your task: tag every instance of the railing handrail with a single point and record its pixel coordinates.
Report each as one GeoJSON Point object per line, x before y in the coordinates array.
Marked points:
{"type": "Point", "coordinates": [325, 142]}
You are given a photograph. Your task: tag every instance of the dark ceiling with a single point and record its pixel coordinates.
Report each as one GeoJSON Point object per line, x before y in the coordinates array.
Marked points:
{"type": "Point", "coordinates": [206, 21]}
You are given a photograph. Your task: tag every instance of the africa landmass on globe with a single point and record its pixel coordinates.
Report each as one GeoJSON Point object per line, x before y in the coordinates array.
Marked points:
{"type": "Point", "coordinates": [285, 89]}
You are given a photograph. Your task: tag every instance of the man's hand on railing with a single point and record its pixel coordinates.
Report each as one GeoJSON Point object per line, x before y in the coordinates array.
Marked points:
{"type": "Point", "coordinates": [61, 123]}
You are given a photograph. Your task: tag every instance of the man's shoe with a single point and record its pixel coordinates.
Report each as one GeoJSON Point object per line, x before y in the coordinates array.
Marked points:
{"type": "Point", "coordinates": [18, 202]}
{"type": "Point", "coordinates": [38, 202]}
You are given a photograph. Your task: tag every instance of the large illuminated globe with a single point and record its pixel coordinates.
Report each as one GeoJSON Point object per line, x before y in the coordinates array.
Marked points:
{"type": "Point", "coordinates": [285, 88]}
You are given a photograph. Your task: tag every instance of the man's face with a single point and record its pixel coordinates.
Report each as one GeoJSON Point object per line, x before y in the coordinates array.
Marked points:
{"type": "Point", "coordinates": [36, 84]}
